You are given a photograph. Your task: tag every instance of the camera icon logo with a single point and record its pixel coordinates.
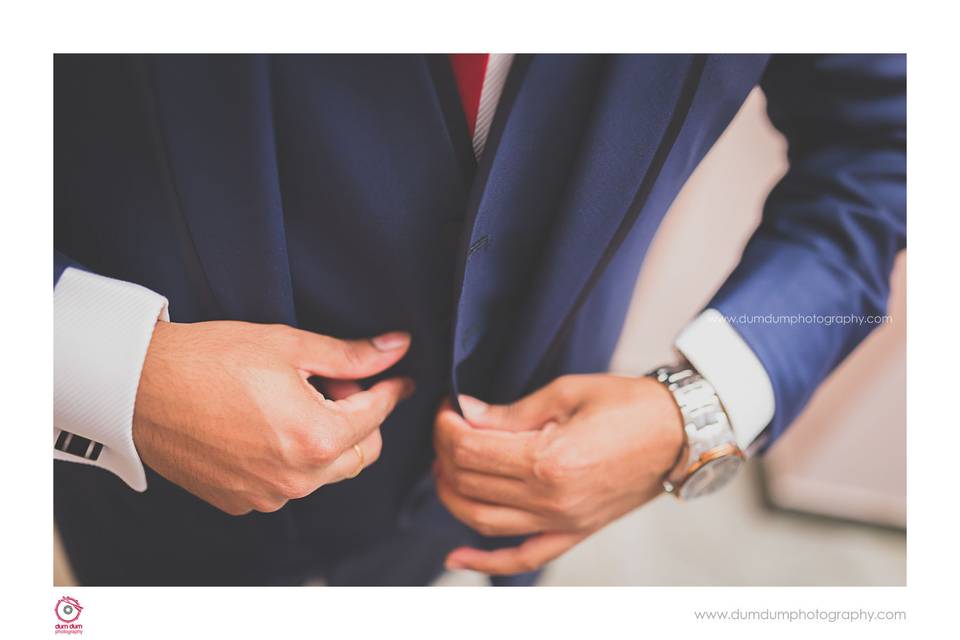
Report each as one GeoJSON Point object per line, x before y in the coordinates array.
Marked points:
{"type": "Point", "coordinates": [67, 609]}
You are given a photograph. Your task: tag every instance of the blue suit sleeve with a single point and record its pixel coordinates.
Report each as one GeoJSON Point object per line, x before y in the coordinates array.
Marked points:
{"type": "Point", "coordinates": [818, 267]}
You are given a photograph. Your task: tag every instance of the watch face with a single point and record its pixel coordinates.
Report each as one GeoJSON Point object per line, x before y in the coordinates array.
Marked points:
{"type": "Point", "coordinates": [710, 477]}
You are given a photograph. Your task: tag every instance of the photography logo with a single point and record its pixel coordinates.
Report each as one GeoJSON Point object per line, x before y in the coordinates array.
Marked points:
{"type": "Point", "coordinates": [68, 611]}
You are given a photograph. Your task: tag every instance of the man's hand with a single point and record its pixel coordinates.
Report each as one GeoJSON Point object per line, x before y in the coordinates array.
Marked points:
{"type": "Point", "coordinates": [562, 463]}
{"type": "Point", "coordinates": [224, 409]}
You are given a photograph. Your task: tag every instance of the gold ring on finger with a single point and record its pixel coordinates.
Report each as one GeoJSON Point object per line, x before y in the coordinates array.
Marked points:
{"type": "Point", "coordinates": [360, 460]}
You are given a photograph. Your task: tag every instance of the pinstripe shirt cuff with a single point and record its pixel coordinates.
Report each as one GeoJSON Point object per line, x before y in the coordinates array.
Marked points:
{"type": "Point", "coordinates": [102, 328]}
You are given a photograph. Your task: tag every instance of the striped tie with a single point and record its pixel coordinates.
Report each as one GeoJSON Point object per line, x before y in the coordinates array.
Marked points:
{"type": "Point", "coordinates": [480, 78]}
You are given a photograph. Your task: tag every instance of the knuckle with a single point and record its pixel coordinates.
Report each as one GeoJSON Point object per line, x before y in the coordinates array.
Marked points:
{"type": "Point", "coordinates": [266, 504]}
{"type": "Point", "coordinates": [351, 353]}
{"type": "Point", "coordinates": [461, 453]}
{"type": "Point", "coordinates": [574, 513]}
{"type": "Point", "coordinates": [444, 435]}
{"type": "Point", "coordinates": [588, 522]}
{"type": "Point", "coordinates": [444, 495]}
{"type": "Point", "coordinates": [563, 505]}
{"type": "Point", "coordinates": [303, 489]}
{"type": "Point", "coordinates": [443, 413]}
{"type": "Point", "coordinates": [550, 470]}
{"type": "Point", "coordinates": [581, 520]}
{"type": "Point", "coordinates": [571, 521]}
{"type": "Point", "coordinates": [318, 448]}
{"type": "Point", "coordinates": [560, 467]}
{"type": "Point", "coordinates": [301, 446]}
{"type": "Point", "coordinates": [526, 562]}
{"type": "Point", "coordinates": [358, 417]}
{"type": "Point", "coordinates": [511, 413]}
{"type": "Point", "coordinates": [380, 405]}
{"type": "Point", "coordinates": [563, 388]}
{"type": "Point", "coordinates": [481, 521]}
{"type": "Point", "coordinates": [290, 449]}
{"type": "Point", "coordinates": [323, 451]}
{"type": "Point", "coordinates": [291, 486]}
{"type": "Point", "coordinates": [464, 484]}
{"type": "Point", "coordinates": [233, 509]}
{"type": "Point", "coordinates": [438, 438]}
{"type": "Point", "coordinates": [458, 482]}
{"type": "Point", "coordinates": [559, 384]}
{"type": "Point", "coordinates": [376, 447]}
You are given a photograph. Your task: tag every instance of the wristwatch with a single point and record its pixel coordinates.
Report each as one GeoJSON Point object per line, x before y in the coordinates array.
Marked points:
{"type": "Point", "coordinates": [710, 456]}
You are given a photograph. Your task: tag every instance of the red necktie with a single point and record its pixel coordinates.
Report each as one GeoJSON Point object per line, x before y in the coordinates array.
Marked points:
{"type": "Point", "coordinates": [469, 70]}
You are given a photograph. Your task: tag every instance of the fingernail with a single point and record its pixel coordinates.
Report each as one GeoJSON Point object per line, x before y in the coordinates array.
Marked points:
{"type": "Point", "coordinates": [472, 408]}
{"type": "Point", "coordinates": [391, 341]}
{"type": "Point", "coordinates": [452, 565]}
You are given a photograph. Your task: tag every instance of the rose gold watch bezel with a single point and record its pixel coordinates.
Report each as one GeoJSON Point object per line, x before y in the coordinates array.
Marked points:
{"type": "Point", "coordinates": [722, 451]}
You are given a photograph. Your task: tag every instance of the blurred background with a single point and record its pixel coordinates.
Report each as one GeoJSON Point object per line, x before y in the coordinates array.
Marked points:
{"type": "Point", "coordinates": [827, 504]}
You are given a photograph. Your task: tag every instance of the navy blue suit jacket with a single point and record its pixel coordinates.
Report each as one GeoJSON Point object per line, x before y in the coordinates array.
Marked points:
{"type": "Point", "coordinates": [340, 194]}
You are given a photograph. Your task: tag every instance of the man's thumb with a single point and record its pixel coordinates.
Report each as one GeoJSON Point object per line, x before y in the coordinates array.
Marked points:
{"type": "Point", "coordinates": [351, 359]}
{"type": "Point", "coordinates": [524, 415]}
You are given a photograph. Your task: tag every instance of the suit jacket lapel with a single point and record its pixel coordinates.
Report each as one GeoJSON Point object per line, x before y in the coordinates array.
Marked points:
{"type": "Point", "coordinates": [215, 117]}
{"type": "Point", "coordinates": [464, 325]}
{"type": "Point", "coordinates": [450, 111]}
{"type": "Point", "coordinates": [640, 111]}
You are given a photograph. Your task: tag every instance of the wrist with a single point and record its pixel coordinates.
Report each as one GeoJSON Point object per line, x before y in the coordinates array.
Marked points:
{"type": "Point", "coordinates": [660, 410]}
{"type": "Point", "coordinates": [148, 399]}
{"type": "Point", "coordinates": [672, 420]}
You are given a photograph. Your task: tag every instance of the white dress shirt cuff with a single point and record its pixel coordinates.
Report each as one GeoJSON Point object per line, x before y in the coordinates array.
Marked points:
{"type": "Point", "coordinates": [102, 328]}
{"type": "Point", "coordinates": [721, 356]}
